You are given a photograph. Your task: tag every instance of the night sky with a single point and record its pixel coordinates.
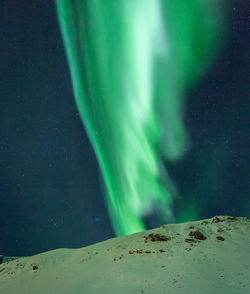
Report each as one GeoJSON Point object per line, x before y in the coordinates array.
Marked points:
{"type": "Point", "coordinates": [50, 185]}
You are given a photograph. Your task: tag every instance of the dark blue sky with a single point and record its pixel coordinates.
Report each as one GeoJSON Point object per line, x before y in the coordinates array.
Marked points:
{"type": "Point", "coordinates": [50, 190]}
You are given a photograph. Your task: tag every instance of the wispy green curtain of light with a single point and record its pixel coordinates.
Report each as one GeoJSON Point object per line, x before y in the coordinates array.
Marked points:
{"type": "Point", "coordinates": [131, 62]}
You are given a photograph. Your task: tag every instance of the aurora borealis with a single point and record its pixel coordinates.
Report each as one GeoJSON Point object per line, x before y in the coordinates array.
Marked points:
{"type": "Point", "coordinates": [131, 63]}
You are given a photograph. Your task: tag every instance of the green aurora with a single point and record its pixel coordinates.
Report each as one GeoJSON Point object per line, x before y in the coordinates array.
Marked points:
{"type": "Point", "coordinates": [131, 62]}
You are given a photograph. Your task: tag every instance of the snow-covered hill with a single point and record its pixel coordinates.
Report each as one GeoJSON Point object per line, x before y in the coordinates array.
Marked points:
{"type": "Point", "coordinates": [210, 256]}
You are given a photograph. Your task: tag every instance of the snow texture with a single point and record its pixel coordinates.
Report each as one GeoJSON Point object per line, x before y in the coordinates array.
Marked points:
{"type": "Point", "coordinates": [201, 257]}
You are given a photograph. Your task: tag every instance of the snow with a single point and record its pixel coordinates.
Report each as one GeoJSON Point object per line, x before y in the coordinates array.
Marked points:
{"type": "Point", "coordinates": [202, 257]}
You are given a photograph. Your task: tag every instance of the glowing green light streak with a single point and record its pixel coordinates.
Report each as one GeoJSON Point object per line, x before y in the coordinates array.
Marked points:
{"type": "Point", "coordinates": [130, 63]}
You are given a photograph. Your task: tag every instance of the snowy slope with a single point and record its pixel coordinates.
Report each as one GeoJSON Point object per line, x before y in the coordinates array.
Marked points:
{"type": "Point", "coordinates": [205, 257]}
